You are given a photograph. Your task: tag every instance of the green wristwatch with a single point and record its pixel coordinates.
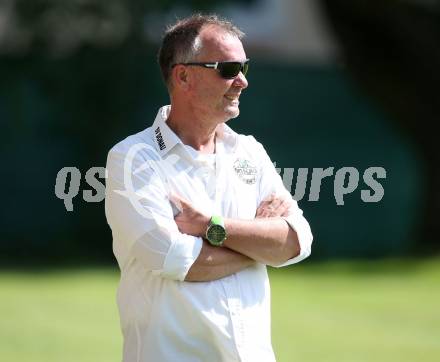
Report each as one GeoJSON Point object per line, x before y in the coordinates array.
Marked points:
{"type": "Point", "coordinates": [216, 232]}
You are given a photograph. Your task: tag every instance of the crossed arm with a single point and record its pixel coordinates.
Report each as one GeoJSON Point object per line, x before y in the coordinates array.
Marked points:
{"type": "Point", "coordinates": [267, 239]}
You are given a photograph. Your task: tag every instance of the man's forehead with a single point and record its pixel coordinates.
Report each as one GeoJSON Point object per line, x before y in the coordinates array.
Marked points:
{"type": "Point", "coordinates": [216, 41]}
{"type": "Point", "coordinates": [214, 32]}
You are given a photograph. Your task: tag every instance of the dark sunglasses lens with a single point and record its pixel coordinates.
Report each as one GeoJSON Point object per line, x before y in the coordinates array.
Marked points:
{"type": "Point", "coordinates": [245, 68]}
{"type": "Point", "coordinates": [229, 70]}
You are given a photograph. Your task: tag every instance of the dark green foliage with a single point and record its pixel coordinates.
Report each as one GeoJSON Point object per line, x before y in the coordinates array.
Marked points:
{"type": "Point", "coordinates": [392, 50]}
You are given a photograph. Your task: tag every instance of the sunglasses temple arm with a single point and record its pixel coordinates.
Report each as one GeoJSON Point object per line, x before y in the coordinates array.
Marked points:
{"type": "Point", "coordinates": [212, 65]}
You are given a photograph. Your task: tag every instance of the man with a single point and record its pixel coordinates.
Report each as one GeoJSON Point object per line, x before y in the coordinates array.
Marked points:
{"type": "Point", "coordinates": [198, 211]}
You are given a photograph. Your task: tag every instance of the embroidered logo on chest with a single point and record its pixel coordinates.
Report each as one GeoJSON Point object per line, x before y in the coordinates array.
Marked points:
{"type": "Point", "coordinates": [245, 170]}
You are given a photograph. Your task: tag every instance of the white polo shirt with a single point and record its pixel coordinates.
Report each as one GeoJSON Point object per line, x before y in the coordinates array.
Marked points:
{"type": "Point", "coordinates": [163, 318]}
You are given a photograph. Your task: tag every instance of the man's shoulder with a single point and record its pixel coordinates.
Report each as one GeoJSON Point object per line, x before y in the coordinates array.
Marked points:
{"type": "Point", "coordinates": [250, 148]}
{"type": "Point", "coordinates": [241, 140]}
{"type": "Point", "coordinates": [133, 150]}
{"type": "Point", "coordinates": [249, 142]}
{"type": "Point", "coordinates": [140, 140]}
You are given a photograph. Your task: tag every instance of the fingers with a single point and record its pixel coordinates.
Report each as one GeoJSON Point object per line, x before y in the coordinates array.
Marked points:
{"type": "Point", "coordinates": [263, 207]}
{"type": "Point", "coordinates": [274, 206]}
{"type": "Point", "coordinates": [179, 201]}
{"type": "Point", "coordinates": [284, 207]}
{"type": "Point", "coordinates": [189, 220]}
{"type": "Point", "coordinates": [184, 206]}
{"type": "Point", "coordinates": [276, 202]}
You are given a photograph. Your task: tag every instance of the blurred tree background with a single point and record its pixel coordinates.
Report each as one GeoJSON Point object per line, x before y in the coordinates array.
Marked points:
{"type": "Point", "coordinates": [74, 77]}
{"type": "Point", "coordinates": [392, 50]}
{"type": "Point", "coordinates": [77, 76]}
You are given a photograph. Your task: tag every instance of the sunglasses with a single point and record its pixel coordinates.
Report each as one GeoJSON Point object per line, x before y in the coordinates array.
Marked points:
{"type": "Point", "coordinates": [227, 70]}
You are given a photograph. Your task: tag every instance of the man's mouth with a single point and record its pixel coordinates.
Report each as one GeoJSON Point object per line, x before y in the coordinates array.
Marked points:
{"type": "Point", "coordinates": [232, 97]}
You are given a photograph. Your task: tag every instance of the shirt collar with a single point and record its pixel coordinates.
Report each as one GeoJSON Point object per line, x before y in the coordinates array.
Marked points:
{"type": "Point", "coordinates": [165, 138]}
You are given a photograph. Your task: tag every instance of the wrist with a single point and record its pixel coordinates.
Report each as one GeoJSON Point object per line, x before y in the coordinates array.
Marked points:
{"type": "Point", "coordinates": [216, 231]}
{"type": "Point", "coordinates": [204, 223]}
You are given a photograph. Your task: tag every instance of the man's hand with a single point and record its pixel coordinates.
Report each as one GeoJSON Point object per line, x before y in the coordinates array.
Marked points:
{"type": "Point", "coordinates": [273, 206]}
{"type": "Point", "coordinates": [189, 221]}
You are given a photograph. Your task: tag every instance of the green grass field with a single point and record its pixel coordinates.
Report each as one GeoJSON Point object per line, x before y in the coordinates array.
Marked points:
{"type": "Point", "coordinates": [340, 311]}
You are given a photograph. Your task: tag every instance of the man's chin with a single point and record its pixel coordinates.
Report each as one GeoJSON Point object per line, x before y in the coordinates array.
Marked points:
{"type": "Point", "coordinates": [228, 113]}
{"type": "Point", "coordinates": [233, 112]}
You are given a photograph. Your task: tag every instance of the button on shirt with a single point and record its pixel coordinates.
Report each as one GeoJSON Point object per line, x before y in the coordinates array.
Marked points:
{"type": "Point", "coordinates": [164, 318]}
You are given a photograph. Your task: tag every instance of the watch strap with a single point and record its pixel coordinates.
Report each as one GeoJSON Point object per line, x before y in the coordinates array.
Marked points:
{"type": "Point", "coordinates": [217, 220]}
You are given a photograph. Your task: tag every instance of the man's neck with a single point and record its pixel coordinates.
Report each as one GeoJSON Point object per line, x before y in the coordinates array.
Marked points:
{"type": "Point", "coordinates": [196, 133]}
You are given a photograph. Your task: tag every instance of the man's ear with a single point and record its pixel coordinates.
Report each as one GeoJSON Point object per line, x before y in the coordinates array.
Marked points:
{"type": "Point", "coordinates": [181, 76]}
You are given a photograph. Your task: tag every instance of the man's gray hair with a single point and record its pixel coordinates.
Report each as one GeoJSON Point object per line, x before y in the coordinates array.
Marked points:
{"type": "Point", "coordinates": [181, 42]}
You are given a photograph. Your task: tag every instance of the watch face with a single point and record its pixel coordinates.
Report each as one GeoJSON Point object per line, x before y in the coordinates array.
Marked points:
{"type": "Point", "coordinates": [216, 234]}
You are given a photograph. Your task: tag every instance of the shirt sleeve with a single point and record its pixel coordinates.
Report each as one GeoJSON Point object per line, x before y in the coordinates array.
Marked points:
{"type": "Point", "coordinates": [141, 217]}
{"type": "Point", "coordinates": [271, 183]}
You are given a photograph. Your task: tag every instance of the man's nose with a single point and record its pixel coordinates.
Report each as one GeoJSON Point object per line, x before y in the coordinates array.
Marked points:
{"type": "Point", "coordinates": [241, 81]}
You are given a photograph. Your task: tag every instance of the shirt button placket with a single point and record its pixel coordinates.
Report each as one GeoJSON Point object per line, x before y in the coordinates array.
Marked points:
{"type": "Point", "coordinates": [235, 309]}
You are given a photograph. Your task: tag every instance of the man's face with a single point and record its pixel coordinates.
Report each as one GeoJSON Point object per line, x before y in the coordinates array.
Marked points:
{"type": "Point", "coordinates": [214, 98]}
